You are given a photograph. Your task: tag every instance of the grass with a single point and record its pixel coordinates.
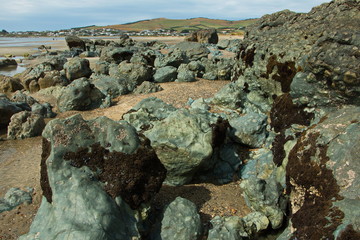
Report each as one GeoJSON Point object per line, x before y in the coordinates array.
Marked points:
{"type": "Point", "coordinates": [182, 24]}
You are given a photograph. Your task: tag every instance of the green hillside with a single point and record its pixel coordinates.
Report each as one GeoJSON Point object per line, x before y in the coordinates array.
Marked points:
{"type": "Point", "coordinates": [182, 24]}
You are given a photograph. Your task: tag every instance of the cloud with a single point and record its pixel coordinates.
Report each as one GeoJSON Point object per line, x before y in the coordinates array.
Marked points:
{"type": "Point", "coordinates": [55, 14]}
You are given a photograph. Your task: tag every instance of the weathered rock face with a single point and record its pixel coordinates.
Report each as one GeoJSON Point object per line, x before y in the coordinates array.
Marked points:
{"type": "Point", "coordinates": [135, 73]}
{"type": "Point", "coordinates": [10, 84]}
{"type": "Point", "coordinates": [80, 95]}
{"type": "Point", "coordinates": [93, 178]}
{"type": "Point", "coordinates": [77, 68]}
{"type": "Point", "coordinates": [112, 86]}
{"type": "Point", "coordinates": [185, 142]}
{"type": "Point", "coordinates": [297, 53]}
{"type": "Point", "coordinates": [25, 124]}
{"type": "Point", "coordinates": [194, 51]}
{"type": "Point", "coordinates": [203, 36]}
{"type": "Point", "coordinates": [75, 43]}
{"type": "Point", "coordinates": [181, 221]}
{"type": "Point", "coordinates": [322, 176]}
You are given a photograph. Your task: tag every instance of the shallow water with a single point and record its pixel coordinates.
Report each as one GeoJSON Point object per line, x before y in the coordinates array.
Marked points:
{"type": "Point", "coordinates": [12, 70]}
{"type": "Point", "coordinates": [27, 42]}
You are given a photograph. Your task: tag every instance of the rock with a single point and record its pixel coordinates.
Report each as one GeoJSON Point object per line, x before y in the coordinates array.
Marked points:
{"type": "Point", "coordinates": [249, 129]}
{"type": "Point", "coordinates": [77, 68]}
{"type": "Point", "coordinates": [7, 62]}
{"type": "Point", "coordinates": [107, 173]}
{"type": "Point", "coordinates": [75, 43]}
{"type": "Point", "coordinates": [230, 96]}
{"type": "Point", "coordinates": [44, 110]}
{"type": "Point", "coordinates": [174, 58]}
{"type": "Point", "coordinates": [115, 55]}
{"type": "Point", "coordinates": [101, 67]}
{"type": "Point", "coordinates": [165, 74]}
{"type": "Point", "coordinates": [184, 74]}
{"type": "Point", "coordinates": [226, 228]}
{"type": "Point", "coordinates": [147, 87]}
{"type": "Point", "coordinates": [200, 103]}
{"type": "Point", "coordinates": [10, 84]}
{"type": "Point", "coordinates": [52, 78]}
{"type": "Point", "coordinates": [111, 86]}
{"type": "Point", "coordinates": [146, 112]}
{"type": "Point", "coordinates": [181, 221]}
{"type": "Point", "coordinates": [20, 96]}
{"type": "Point", "coordinates": [88, 54]}
{"type": "Point", "coordinates": [223, 44]}
{"type": "Point", "coordinates": [134, 73]}
{"type": "Point", "coordinates": [296, 53]}
{"type": "Point", "coordinates": [322, 171]}
{"type": "Point", "coordinates": [193, 51]}
{"type": "Point", "coordinates": [80, 95]}
{"type": "Point", "coordinates": [15, 197]}
{"type": "Point", "coordinates": [8, 109]}
{"type": "Point", "coordinates": [203, 36]}
{"type": "Point", "coordinates": [185, 142]}
{"type": "Point", "coordinates": [25, 124]}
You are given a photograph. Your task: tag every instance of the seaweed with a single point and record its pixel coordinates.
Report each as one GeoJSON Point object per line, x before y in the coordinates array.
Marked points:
{"type": "Point", "coordinates": [316, 218]}
{"type": "Point", "coordinates": [136, 177]}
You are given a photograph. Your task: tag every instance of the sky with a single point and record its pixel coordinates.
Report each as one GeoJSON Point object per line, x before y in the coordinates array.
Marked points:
{"type": "Point", "coordinates": [42, 15]}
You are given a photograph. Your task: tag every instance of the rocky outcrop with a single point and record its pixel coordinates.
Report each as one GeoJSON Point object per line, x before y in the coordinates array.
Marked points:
{"type": "Point", "coordinates": [94, 178]}
{"type": "Point", "coordinates": [25, 124]}
{"type": "Point", "coordinates": [165, 74]}
{"type": "Point", "coordinates": [115, 55]}
{"type": "Point", "coordinates": [203, 36]}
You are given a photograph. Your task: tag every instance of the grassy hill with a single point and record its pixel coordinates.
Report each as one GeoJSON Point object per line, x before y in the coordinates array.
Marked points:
{"type": "Point", "coordinates": [182, 24]}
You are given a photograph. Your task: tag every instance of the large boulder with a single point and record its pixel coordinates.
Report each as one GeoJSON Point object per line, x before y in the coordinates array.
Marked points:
{"type": "Point", "coordinates": [75, 43]}
{"type": "Point", "coordinates": [77, 68]}
{"type": "Point", "coordinates": [174, 58]}
{"type": "Point", "coordinates": [185, 142]}
{"type": "Point", "coordinates": [185, 74]}
{"type": "Point", "coordinates": [203, 36]}
{"type": "Point", "coordinates": [94, 180]}
{"type": "Point", "coordinates": [80, 95]}
{"type": "Point", "coordinates": [25, 124]}
{"type": "Point", "coordinates": [181, 221]}
{"type": "Point", "coordinates": [147, 87]}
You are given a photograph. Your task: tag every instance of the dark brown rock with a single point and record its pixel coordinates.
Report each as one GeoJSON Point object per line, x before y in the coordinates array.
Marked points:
{"type": "Point", "coordinates": [203, 36]}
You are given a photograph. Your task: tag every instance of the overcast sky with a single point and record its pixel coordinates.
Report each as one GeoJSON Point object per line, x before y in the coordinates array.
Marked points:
{"type": "Point", "coordinates": [38, 15]}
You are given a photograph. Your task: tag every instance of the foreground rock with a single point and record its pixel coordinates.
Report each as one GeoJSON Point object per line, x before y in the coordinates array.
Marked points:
{"type": "Point", "coordinates": [7, 62]}
{"type": "Point", "coordinates": [9, 108]}
{"type": "Point", "coordinates": [9, 84]}
{"type": "Point", "coordinates": [93, 180]}
{"type": "Point", "coordinates": [15, 197]}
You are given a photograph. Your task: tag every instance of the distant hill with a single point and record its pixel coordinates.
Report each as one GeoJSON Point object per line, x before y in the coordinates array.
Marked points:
{"type": "Point", "coordinates": [182, 24]}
